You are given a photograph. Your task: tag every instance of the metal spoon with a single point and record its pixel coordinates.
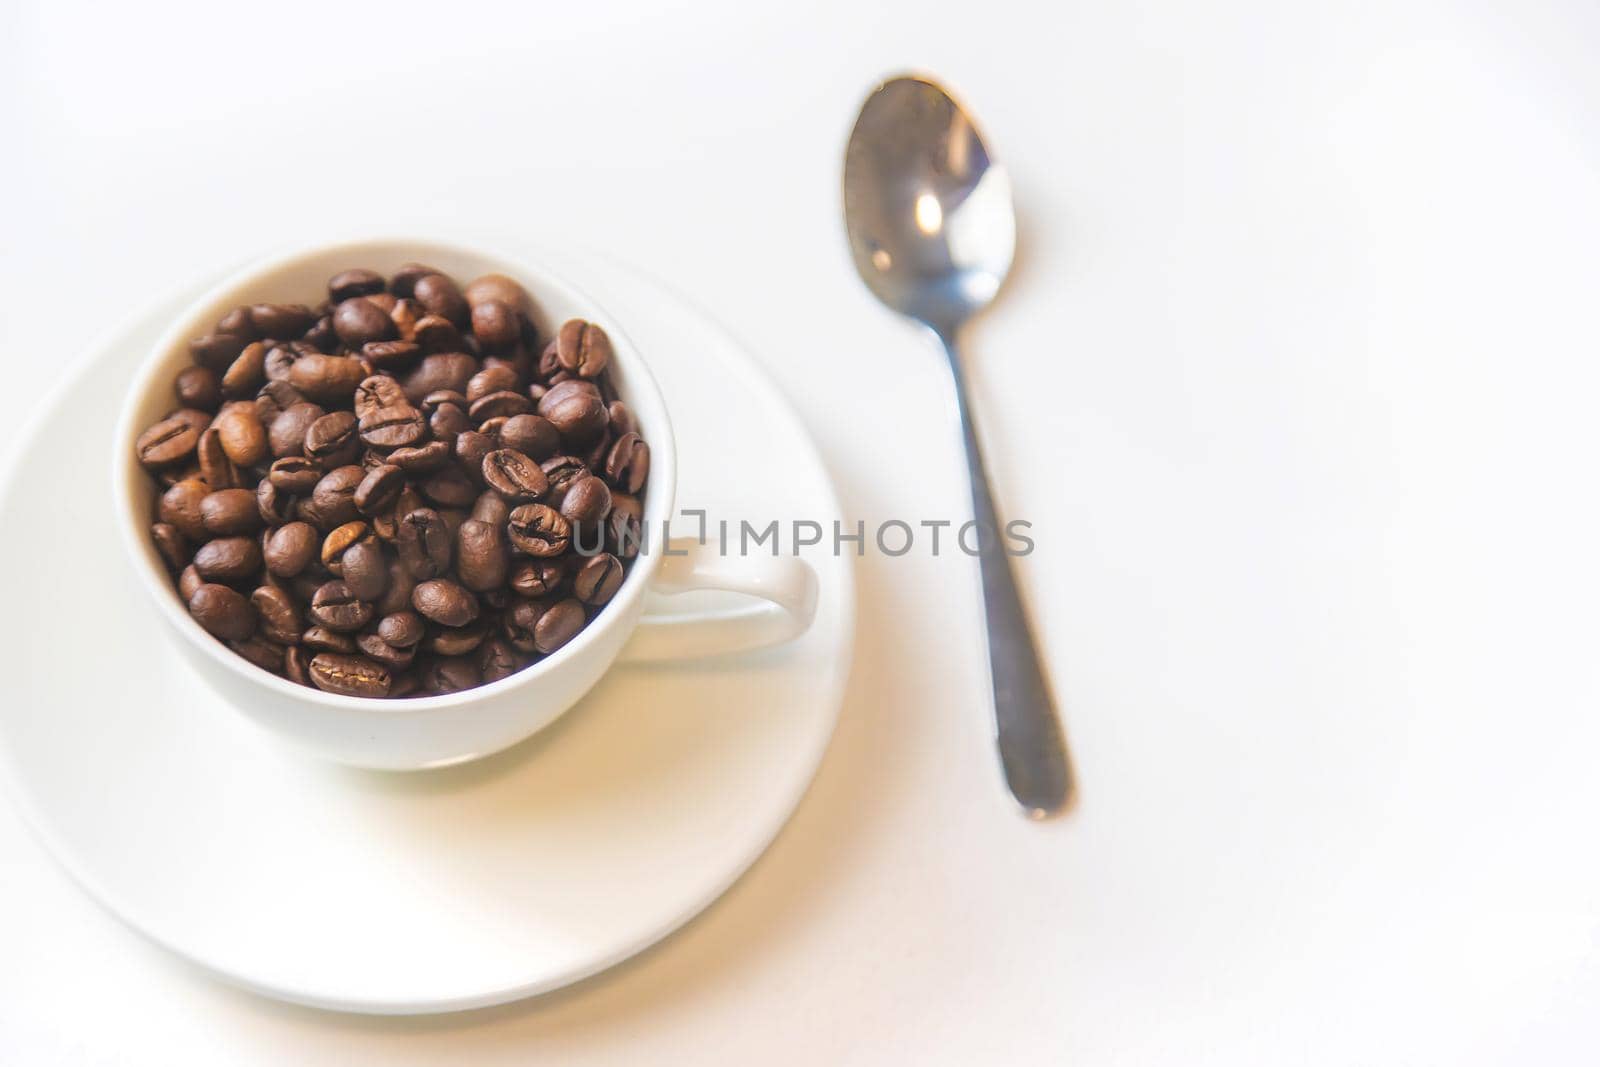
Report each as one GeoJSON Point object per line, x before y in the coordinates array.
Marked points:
{"type": "Point", "coordinates": [932, 232]}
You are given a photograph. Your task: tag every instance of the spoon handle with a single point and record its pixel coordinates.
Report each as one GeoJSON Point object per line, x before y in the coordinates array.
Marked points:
{"type": "Point", "coordinates": [1032, 753]}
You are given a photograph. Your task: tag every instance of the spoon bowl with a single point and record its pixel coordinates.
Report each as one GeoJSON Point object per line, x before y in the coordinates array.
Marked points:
{"type": "Point", "coordinates": [929, 215]}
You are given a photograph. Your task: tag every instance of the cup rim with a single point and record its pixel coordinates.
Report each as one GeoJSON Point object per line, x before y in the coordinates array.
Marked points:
{"type": "Point", "coordinates": [197, 317]}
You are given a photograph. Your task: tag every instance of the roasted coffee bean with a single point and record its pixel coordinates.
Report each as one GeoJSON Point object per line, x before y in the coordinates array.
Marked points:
{"type": "Point", "coordinates": [229, 560]}
{"type": "Point", "coordinates": [335, 544]}
{"type": "Point", "coordinates": [624, 530]}
{"type": "Point", "coordinates": [558, 625]}
{"type": "Point", "coordinates": [281, 322]}
{"type": "Point", "coordinates": [598, 579]}
{"type": "Point", "coordinates": [379, 489]}
{"type": "Point", "coordinates": [594, 456]}
{"type": "Point", "coordinates": [287, 436]}
{"type": "Point", "coordinates": [223, 612]}
{"type": "Point", "coordinates": [620, 458]}
{"type": "Point", "coordinates": [297, 665]}
{"type": "Point", "coordinates": [365, 570]}
{"type": "Point", "coordinates": [173, 439]}
{"type": "Point", "coordinates": [358, 321]}
{"type": "Point", "coordinates": [448, 421]}
{"type": "Point", "coordinates": [246, 374]}
{"type": "Point", "coordinates": [422, 458]}
{"type": "Point", "coordinates": [495, 325]}
{"type": "Point", "coordinates": [272, 400]}
{"type": "Point", "coordinates": [491, 507]}
{"type": "Point", "coordinates": [305, 584]}
{"type": "Point", "coordinates": [403, 282]}
{"type": "Point", "coordinates": [621, 419]}
{"type": "Point", "coordinates": [375, 647]}
{"type": "Point", "coordinates": [499, 288]}
{"type": "Point", "coordinates": [376, 392]}
{"type": "Point", "coordinates": [490, 428]}
{"type": "Point", "coordinates": [586, 501]}
{"type": "Point", "coordinates": [188, 581]}
{"type": "Point", "coordinates": [537, 530]}
{"type": "Point", "coordinates": [170, 543]}
{"type": "Point", "coordinates": [401, 629]}
{"type": "Point", "coordinates": [440, 370]}
{"type": "Point", "coordinates": [449, 488]}
{"type": "Point", "coordinates": [397, 592]}
{"type": "Point", "coordinates": [391, 356]}
{"type": "Point", "coordinates": [519, 621]}
{"type": "Point", "coordinates": [332, 440]}
{"type": "Point", "coordinates": [327, 379]}
{"type": "Point", "coordinates": [404, 315]}
{"type": "Point", "coordinates": [274, 506]}
{"type": "Point", "coordinates": [638, 469]}
{"type": "Point", "coordinates": [575, 409]}
{"type": "Point", "coordinates": [171, 476]}
{"type": "Point", "coordinates": [393, 427]}
{"type": "Point", "coordinates": [386, 301]}
{"type": "Point", "coordinates": [237, 322]}
{"type": "Point", "coordinates": [424, 544]}
{"type": "Point", "coordinates": [536, 577]}
{"type": "Point", "coordinates": [278, 615]}
{"type": "Point", "coordinates": [198, 388]}
{"type": "Point", "coordinates": [340, 610]}
{"type": "Point", "coordinates": [217, 351]}
{"type": "Point", "coordinates": [562, 472]}
{"type": "Point", "coordinates": [482, 555]}
{"type": "Point", "coordinates": [499, 405]}
{"type": "Point", "coordinates": [322, 639]}
{"type": "Point", "coordinates": [453, 518]}
{"type": "Point", "coordinates": [355, 282]}
{"type": "Point", "coordinates": [449, 674]}
{"type": "Point", "coordinates": [550, 370]}
{"type": "Point", "coordinates": [216, 469]}
{"type": "Point", "coordinates": [435, 333]}
{"type": "Point", "coordinates": [355, 676]}
{"type": "Point", "coordinates": [291, 548]}
{"type": "Point", "coordinates": [456, 640]}
{"type": "Point", "coordinates": [334, 498]}
{"type": "Point", "coordinates": [444, 602]}
{"type": "Point", "coordinates": [321, 338]}
{"type": "Point", "coordinates": [180, 506]}
{"type": "Point", "coordinates": [469, 448]}
{"type": "Point", "coordinates": [230, 511]}
{"type": "Point", "coordinates": [582, 348]}
{"type": "Point", "coordinates": [242, 435]}
{"type": "Point", "coordinates": [294, 474]}
{"type": "Point", "coordinates": [497, 660]}
{"type": "Point", "coordinates": [438, 295]}
{"type": "Point", "coordinates": [408, 501]}
{"type": "Point", "coordinates": [491, 380]}
{"type": "Point", "coordinates": [439, 397]}
{"type": "Point", "coordinates": [261, 652]}
{"type": "Point", "coordinates": [279, 362]}
{"type": "Point", "coordinates": [532, 435]}
{"type": "Point", "coordinates": [513, 475]}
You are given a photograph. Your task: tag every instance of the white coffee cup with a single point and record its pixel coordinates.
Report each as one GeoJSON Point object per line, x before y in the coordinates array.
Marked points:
{"type": "Point", "coordinates": [436, 731]}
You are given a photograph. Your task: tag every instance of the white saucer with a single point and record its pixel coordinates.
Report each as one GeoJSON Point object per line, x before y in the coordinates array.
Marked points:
{"type": "Point", "coordinates": [398, 893]}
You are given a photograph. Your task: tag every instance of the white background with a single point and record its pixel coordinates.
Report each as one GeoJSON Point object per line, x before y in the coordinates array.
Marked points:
{"type": "Point", "coordinates": [1296, 381]}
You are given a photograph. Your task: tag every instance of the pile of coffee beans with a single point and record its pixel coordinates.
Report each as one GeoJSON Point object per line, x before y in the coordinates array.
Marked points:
{"type": "Point", "coordinates": [401, 491]}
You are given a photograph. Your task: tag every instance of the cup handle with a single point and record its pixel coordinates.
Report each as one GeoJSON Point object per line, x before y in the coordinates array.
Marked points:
{"type": "Point", "coordinates": [784, 601]}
